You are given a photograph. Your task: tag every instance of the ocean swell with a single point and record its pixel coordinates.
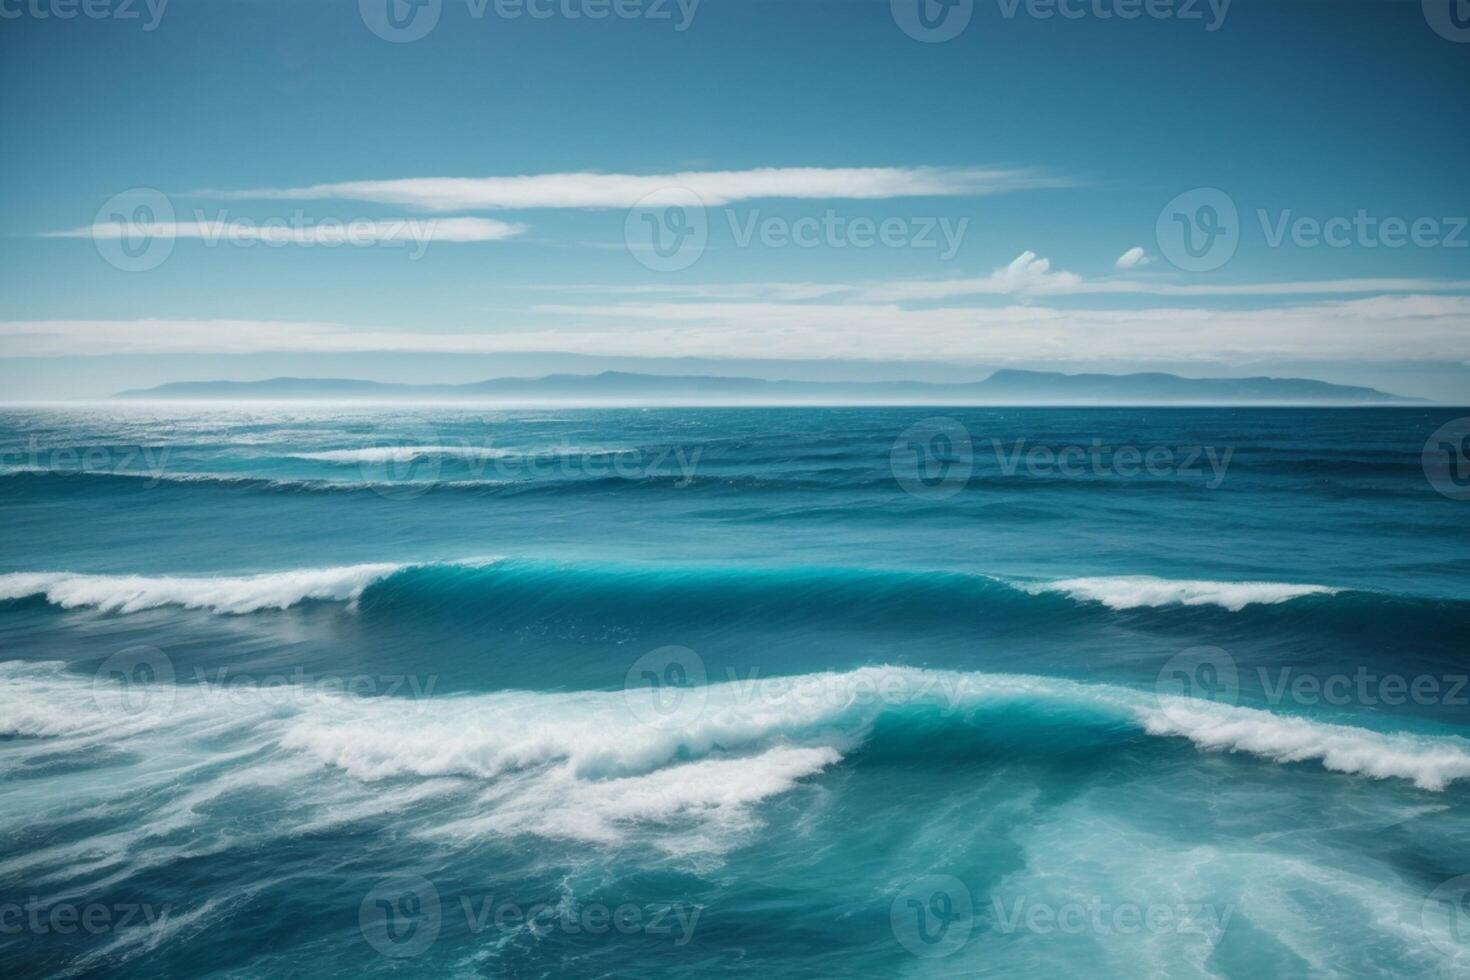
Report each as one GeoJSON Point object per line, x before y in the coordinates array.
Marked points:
{"type": "Point", "coordinates": [605, 735]}
{"type": "Point", "coordinates": [593, 588]}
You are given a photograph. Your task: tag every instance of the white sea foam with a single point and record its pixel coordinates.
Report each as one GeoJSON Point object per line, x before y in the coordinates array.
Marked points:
{"type": "Point", "coordinates": [701, 807]}
{"type": "Point", "coordinates": [403, 454]}
{"type": "Point", "coordinates": [596, 735]}
{"type": "Point", "coordinates": [578, 766]}
{"type": "Point", "coordinates": [406, 454]}
{"type": "Point", "coordinates": [224, 594]}
{"type": "Point", "coordinates": [1430, 763]}
{"type": "Point", "coordinates": [1134, 591]}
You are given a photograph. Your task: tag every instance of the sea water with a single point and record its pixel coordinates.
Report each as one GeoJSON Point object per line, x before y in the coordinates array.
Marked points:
{"type": "Point", "coordinates": [451, 691]}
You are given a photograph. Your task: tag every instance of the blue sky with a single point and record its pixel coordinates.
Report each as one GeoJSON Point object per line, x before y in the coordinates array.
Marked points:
{"type": "Point", "coordinates": [868, 203]}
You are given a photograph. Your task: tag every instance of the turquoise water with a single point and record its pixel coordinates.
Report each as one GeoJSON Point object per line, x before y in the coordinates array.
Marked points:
{"type": "Point", "coordinates": [680, 693]}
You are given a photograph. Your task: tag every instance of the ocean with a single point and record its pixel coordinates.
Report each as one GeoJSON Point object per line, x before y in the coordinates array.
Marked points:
{"type": "Point", "coordinates": [793, 692]}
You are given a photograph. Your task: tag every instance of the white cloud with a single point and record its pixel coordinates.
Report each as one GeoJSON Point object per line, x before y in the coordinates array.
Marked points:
{"type": "Point", "coordinates": [1382, 327]}
{"type": "Point", "coordinates": [714, 188]}
{"type": "Point", "coordinates": [1030, 275]}
{"type": "Point", "coordinates": [1415, 326]}
{"type": "Point", "coordinates": [324, 231]}
{"type": "Point", "coordinates": [1005, 282]}
{"type": "Point", "coordinates": [1026, 273]}
{"type": "Point", "coordinates": [1132, 258]}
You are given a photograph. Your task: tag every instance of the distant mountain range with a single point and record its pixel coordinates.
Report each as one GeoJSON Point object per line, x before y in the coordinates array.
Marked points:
{"type": "Point", "coordinates": [1007, 387]}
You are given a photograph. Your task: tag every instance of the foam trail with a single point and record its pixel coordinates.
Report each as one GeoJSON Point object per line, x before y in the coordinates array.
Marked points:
{"type": "Point", "coordinates": [704, 805]}
{"type": "Point", "coordinates": [226, 594]}
{"type": "Point", "coordinates": [402, 454]}
{"type": "Point", "coordinates": [1135, 591]}
{"type": "Point", "coordinates": [405, 454]}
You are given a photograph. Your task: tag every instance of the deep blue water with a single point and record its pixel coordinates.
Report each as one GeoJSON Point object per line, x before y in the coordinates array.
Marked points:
{"type": "Point", "coordinates": [694, 692]}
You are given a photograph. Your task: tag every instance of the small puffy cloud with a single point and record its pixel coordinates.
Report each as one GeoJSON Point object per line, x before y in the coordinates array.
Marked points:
{"type": "Point", "coordinates": [1132, 259]}
{"type": "Point", "coordinates": [1029, 271]}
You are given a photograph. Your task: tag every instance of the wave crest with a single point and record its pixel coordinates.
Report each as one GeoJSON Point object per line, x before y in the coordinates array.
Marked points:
{"type": "Point", "coordinates": [225, 594]}
{"type": "Point", "coordinates": [1135, 591]}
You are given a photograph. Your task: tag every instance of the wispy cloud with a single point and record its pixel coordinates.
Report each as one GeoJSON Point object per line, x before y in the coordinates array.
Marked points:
{"type": "Point", "coordinates": [1379, 327]}
{"type": "Point", "coordinates": [1028, 275]}
{"type": "Point", "coordinates": [326, 231]}
{"type": "Point", "coordinates": [713, 187]}
{"type": "Point", "coordinates": [1433, 327]}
